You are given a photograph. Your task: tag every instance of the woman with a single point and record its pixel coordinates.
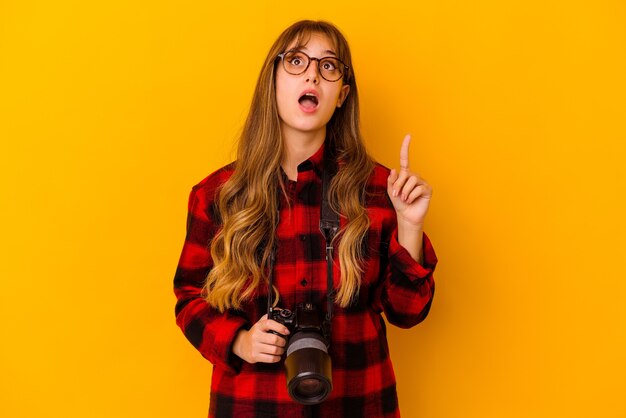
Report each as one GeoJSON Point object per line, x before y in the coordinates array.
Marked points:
{"type": "Point", "coordinates": [257, 219]}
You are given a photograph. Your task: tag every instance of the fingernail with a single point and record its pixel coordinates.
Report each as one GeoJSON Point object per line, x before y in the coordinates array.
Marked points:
{"type": "Point", "coordinates": [286, 331]}
{"type": "Point", "coordinates": [395, 193]}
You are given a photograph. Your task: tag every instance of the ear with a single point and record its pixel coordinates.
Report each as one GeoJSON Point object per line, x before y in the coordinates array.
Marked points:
{"type": "Point", "coordinates": [345, 89]}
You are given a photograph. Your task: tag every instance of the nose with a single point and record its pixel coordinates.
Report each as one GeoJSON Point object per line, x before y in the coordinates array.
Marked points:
{"type": "Point", "coordinates": [312, 73]}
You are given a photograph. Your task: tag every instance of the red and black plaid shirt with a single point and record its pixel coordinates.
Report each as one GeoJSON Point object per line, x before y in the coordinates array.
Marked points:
{"type": "Point", "coordinates": [362, 374]}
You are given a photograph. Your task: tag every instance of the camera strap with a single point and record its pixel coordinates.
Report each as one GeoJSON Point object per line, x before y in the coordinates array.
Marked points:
{"type": "Point", "coordinates": [329, 225]}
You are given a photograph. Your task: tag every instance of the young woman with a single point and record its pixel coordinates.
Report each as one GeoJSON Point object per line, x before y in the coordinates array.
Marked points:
{"type": "Point", "coordinates": [258, 219]}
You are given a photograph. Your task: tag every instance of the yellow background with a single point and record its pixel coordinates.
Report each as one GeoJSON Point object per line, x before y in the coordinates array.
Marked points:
{"type": "Point", "coordinates": [111, 111]}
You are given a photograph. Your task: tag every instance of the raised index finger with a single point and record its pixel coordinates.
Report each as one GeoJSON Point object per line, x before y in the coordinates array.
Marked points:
{"type": "Point", "coordinates": [404, 153]}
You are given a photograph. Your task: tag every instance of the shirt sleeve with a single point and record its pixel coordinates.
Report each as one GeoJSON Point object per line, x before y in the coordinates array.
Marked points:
{"type": "Point", "coordinates": [408, 287]}
{"type": "Point", "coordinates": [211, 332]}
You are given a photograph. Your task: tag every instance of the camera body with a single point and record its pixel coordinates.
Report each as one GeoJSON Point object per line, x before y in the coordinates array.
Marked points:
{"type": "Point", "coordinates": [305, 318]}
{"type": "Point", "coordinates": [308, 364]}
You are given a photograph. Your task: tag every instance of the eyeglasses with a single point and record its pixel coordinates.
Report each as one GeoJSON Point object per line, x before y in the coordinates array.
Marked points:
{"type": "Point", "coordinates": [297, 62]}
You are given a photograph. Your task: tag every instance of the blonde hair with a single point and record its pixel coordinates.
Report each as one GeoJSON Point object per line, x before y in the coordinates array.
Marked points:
{"type": "Point", "coordinates": [248, 208]}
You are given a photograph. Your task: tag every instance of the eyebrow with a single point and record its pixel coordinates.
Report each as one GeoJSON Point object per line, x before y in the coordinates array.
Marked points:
{"type": "Point", "coordinates": [303, 47]}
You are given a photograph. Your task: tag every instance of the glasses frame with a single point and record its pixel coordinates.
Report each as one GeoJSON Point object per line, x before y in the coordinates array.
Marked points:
{"type": "Point", "coordinates": [319, 62]}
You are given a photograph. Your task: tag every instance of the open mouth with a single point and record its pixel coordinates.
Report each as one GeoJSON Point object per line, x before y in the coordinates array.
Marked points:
{"type": "Point", "coordinates": [308, 101]}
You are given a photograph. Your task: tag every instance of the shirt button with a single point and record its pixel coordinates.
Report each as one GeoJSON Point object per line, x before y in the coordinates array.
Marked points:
{"type": "Point", "coordinates": [303, 282]}
{"type": "Point", "coordinates": [302, 237]}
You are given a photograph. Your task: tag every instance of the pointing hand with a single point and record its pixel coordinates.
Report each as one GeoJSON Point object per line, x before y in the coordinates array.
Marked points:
{"type": "Point", "coordinates": [409, 193]}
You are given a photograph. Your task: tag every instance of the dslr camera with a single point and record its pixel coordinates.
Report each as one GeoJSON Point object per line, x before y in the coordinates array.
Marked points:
{"type": "Point", "coordinates": [308, 364]}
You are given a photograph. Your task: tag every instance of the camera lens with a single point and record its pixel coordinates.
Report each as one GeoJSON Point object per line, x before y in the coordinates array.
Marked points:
{"type": "Point", "coordinates": [308, 366]}
{"type": "Point", "coordinates": [309, 387]}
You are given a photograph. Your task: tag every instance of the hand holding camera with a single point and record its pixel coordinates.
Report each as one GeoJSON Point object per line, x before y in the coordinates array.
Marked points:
{"type": "Point", "coordinates": [259, 344]}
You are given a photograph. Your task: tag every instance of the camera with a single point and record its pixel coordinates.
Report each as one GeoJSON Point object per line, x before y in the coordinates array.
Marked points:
{"type": "Point", "coordinates": [308, 364]}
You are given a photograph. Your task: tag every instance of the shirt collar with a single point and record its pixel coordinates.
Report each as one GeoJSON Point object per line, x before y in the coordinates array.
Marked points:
{"type": "Point", "coordinates": [314, 162]}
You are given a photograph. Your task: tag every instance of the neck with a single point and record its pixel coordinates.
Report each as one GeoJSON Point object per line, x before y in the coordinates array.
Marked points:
{"type": "Point", "coordinates": [298, 147]}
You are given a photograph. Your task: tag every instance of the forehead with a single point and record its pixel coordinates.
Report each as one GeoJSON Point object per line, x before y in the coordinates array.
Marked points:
{"type": "Point", "coordinates": [314, 43]}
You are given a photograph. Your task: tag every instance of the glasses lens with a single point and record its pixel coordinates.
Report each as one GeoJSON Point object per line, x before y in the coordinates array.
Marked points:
{"type": "Point", "coordinates": [331, 69]}
{"type": "Point", "coordinates": [295, 62]}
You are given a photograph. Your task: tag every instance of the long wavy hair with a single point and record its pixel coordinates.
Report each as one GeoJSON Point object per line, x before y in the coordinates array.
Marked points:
{"type": "Point", "coordinates": [248, 200]}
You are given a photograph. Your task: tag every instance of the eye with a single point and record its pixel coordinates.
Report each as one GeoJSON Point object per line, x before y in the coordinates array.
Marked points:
{"type": "Point", "coordinates": [296, 59]}
{"type": "Point", "coordinates": [329, 65]}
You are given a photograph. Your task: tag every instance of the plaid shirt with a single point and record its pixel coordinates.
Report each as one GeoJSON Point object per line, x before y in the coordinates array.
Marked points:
{"type": "Point", "coordinates": [362, 374]}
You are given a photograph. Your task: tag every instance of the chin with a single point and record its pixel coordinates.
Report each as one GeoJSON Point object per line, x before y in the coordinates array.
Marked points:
{"type": "Point", "coordinates": [312, 125]}
{"type": "Point", "coordinates": [306, 126]}
{"type": "Point", "coordinates": [308, 123]}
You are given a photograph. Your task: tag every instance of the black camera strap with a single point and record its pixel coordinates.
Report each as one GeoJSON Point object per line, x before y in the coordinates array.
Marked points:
{"type": "Point", "coordinates": [329, 225]}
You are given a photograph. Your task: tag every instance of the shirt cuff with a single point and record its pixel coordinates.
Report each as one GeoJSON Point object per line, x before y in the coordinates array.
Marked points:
{"type": "Point", "coordinates": [222, 349]}
{"type": "Point", "coordinates": [400, 258]}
